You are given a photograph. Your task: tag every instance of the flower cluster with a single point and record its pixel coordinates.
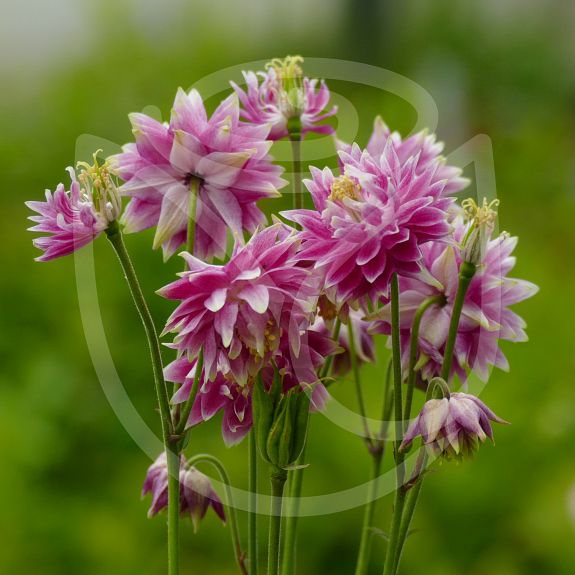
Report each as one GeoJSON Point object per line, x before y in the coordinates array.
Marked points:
{"type": "Point", "coordinates": [293, 306]}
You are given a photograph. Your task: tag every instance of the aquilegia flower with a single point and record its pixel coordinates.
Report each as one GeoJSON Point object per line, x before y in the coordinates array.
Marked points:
{"type": "Point", "coordinates": [485, 318]}
{"type": "Point", "coordinates": [221, 394]}
{"type": "Point", "coordinates": [371, 221]}
{"type": "Point", "coordinates": [234, 400]}
{"type": "Point", "coordinates": [196, 491]}
{"type": "Point", "coordinates": [227, 161]}
{"type": "Point", "coordinates": [238, 312]}
{"type": "Point", "coordinates": [76, 217]}
{"type": "Point", "coordinates": [285, 95]}
{"type": "Point", "coordinates": [452, 426]}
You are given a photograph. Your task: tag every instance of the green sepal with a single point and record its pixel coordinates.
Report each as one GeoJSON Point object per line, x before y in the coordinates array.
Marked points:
{"type": "Point", "coordinates": [301, 422]}
{"type": "Point", "coordinates": [263, 415]}
{"type": "Point", "coordinates": [275, 433]}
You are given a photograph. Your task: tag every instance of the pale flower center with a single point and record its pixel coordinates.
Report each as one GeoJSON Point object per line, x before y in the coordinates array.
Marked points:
{"type": "Point", "coordinates": [344, 187]}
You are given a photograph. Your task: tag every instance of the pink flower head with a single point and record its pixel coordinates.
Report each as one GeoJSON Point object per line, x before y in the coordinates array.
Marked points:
{"type": "Point", "coordinates": [371, 221]}
{"type": "Point", "coordinates": [238, 312]}
{"type": "Point", "coordinates": [221, 394]}
{"type": "Point", "coordinates": [76, 217]}
{"type": "Point", "coordinates": [422, 146]}
{"type": "Point", "coordinates": [227, 160]}
{"type": "Point", "coordinates": [234, 400]}
{"type": "Point", "coordinates": [364, 344]}
{"type": "Point", "coordinates": [196, 491]}
{"type": "Point", "coordinates": [452, 426]}
{"type": "Point", "coordinates": [282, 95]}
{"type": "Point", "coordinates": [485, 318]}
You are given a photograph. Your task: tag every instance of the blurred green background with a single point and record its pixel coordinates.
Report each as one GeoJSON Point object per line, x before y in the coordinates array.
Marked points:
{"type": "Point", "coordinates": [71, 476]}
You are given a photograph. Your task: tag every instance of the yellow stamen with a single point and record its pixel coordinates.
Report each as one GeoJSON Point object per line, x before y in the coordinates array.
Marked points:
{"type": "Point", "coordinates": [483, 215]}
{"type": "Point", "coordinates": [344, 187]}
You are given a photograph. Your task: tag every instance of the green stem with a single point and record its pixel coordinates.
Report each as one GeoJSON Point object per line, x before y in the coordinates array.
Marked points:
{"type": "Point", "coordinates": [116, 240]}
{"type": "Point", "coordinates": [234, 528]}
{"type": "Point", "coordinates": [366, 534]}
{"type": "Point", "coordinates": [191, 237]}
{"type": "Point", "coordinates": [400, 492]}
{"type": "Point", "coordinates": [466, 273]}
{"type": "Point", "coordinates": [413, 347]}
{"type": "Point", "coordinates": [296, 481]}
{"type": "Point", "coordinates": [253, 502]}
{"type": "Point", "coordinates": [296, 163]}
{"type": "Point", "coordinates": [278, 478]}
{"type": "Point", "coordinates": [357, 381]}
{"type": "Point", "coordinates": [173, 511]}
{"type": "Point", "coordinates": [326, 370]}
{"type": "Point", "coordinates": [185, 413]}
{"type": "Point", "coordinates": [291, 521]}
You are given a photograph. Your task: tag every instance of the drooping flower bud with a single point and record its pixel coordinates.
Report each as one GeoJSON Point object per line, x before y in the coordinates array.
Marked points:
{"type": "Point", "coordinates": [196, 491]}
{"type": "Point", "coordinates": [453, 426]}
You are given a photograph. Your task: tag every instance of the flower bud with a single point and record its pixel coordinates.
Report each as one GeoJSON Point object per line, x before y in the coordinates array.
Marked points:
{"type": "Point", "coordinates": [453, 426]}
{"type": "Point", "coordinates": [280, 423]}
{"type": "Point", "coordinates": [481, 225]}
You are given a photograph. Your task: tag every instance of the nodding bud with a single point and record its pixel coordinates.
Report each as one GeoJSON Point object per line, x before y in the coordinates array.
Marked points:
{"type": "Point", "coordinates": [481, 225]}
{"type": "Point", "coordinates": [99, 188]}
{"type": "Point", "coordinates": [280, 422]}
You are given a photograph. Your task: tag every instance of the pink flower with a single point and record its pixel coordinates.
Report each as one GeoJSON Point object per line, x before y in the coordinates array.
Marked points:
{"type": "Point", "coordinates": [452, 426]}
{"type": "Point", "coordinates": [485, 319]}
{"type": "Point", "coordinates": [282, 95]}
{"type": "Point", "coordinates": [422, 146]}
{"type": "Point", "coordinates": [76, 217]}
{"type": "Point", "coordinates": [372, 221]}
{"type": "Point", "coordinates": [196, 491]}
{"type": "Point", "coordinates": [224, 394]}
{"type": "Point", "coordinates": [221, 394]}
{"type": "Point", "coordinates": [238, 312]}
{"type": "Point", "coordinates": [226, 158]}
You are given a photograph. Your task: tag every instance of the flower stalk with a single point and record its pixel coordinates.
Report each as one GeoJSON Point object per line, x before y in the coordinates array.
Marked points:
{"type": "Point", "coordinates": [253, 511]}
{"type": "Point", "coordinates": [278, 478]}
{"type": "Point", "coordinates": [172, 453]}
{"type": "Point", "coordinates": [234, 526]}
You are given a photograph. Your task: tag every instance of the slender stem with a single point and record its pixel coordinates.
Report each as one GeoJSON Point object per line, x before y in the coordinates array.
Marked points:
{"type": "Point", "coordinates": [191, 237]}
{"type": "Point", "coordinates": [185, 413]}
{"type": "Point", "coordinates": [296, 162]}
{"type": "Point", "coordinates": [253, 502]}
{"type": "Point", "coordinates": [366, 534]}
{"type": "Point", "coordinates": [413, 347]}
{"type": "Point", "coordinates": [116, 240]}
{"type": "Point", "coordinates": [173, 511]}
{"type": "Point", "coordinates": [278, 478]}
{"type": "Point", "coordinates": [234, 525]}
{"type": "Point", "coordinates": [296, 481]}
{"type": "Point", "coordinates": [326, 369]}
{"type": "Point", "coordinates": [408, 513]}
{"type": "Point", "coordinates": [357, 381]}
{"type": "Point", "coordinates": [466, 273]}
{"type": "Point", "coordinates": [291, 521]}
{"type": "Point", "coordinates": [400, 492]}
